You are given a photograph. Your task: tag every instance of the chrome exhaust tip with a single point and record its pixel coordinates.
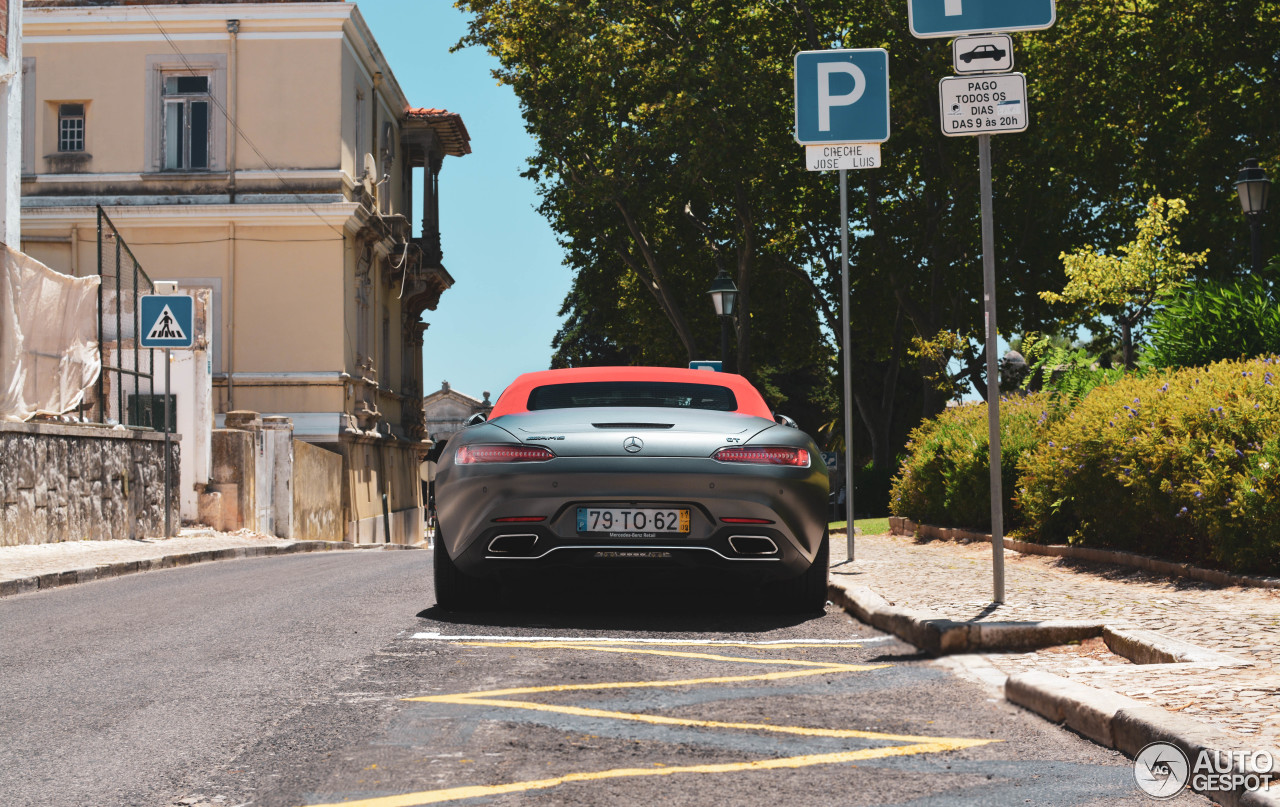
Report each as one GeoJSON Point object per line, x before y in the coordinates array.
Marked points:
{"type": "Point", "coordinates": [752, 545]}
{"type": "Point", "coordinates": [515, 544]}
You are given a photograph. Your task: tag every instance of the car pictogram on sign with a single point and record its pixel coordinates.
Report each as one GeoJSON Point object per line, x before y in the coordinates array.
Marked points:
{"type": "Point", "coordinates": [984, 52]}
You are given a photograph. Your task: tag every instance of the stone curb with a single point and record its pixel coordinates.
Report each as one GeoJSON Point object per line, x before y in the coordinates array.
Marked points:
{"type": "Point", "coordinates": [1149, 647]}
{"type": "Point", "coordinates": [1088, 710]}
{"type": "Point", "coordinates": [1118, 722]}
{"type": "Point", "coordinates": [26, 585]}
{"type": "Point", "coordinates": [1105, 717]}
{"type": "Point", "coordinates": [940, 636]}
{"type": "Point", "coordinates": [905, 526]}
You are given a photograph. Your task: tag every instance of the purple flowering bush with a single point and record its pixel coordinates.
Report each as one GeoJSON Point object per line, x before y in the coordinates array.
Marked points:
{"type": "Point", "coordinates": [945, 478]}
{"type": "Point", "coordinates": [1181, 464]}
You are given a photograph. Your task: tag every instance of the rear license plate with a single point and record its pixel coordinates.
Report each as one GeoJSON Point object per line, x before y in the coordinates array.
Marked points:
{"type": "Point", "coordinates": [633, 519]}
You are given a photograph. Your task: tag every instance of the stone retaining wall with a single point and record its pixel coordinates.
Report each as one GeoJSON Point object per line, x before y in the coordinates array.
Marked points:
{"type": "Point", "coordinates": [263, 480]}
{"type": "Point", "coordinates": [317, 493]}
{"type": "Point", "coordinates": [65, 482]}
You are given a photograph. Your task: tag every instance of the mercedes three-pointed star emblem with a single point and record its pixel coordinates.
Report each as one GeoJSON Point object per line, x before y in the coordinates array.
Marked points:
{"type": "Point", "coordinates": [633, 444]}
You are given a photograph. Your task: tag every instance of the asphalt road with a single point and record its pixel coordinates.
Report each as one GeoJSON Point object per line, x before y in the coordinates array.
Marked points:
{"type": "Point", "coordinates": [331, 678]}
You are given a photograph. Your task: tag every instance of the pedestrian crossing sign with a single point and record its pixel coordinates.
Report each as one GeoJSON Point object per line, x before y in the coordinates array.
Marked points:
{"type": "Point", "coordinates": [166, 320]}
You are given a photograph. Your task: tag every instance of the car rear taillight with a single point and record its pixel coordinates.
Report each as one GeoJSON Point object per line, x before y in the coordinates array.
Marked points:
{"type": "Point", "coordinates": [470, 455]}
{"type": "Point", "coordinates": [764, 455]}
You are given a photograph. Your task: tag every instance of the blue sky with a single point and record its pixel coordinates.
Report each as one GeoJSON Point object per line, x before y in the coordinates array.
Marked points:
{"type": "Point", "coordinates": [498, 319]}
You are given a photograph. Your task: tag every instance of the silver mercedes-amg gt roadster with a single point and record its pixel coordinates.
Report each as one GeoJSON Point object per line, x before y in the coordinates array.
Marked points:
{"type": "Point", "coordinates": [646, 469]}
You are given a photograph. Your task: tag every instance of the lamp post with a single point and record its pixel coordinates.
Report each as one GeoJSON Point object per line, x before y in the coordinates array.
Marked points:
{"type": "Point", "coordinates": [724, 296]}
{"type": "Point", "coordinates": [1252, 186]}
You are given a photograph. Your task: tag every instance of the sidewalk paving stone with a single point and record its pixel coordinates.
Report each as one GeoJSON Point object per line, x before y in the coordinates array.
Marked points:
{"type": "Point", "coordinates": [38, 560]}
{"type": "Point", "coordinates": [28, 568]}
{"type": "Point", "coordinates": [954, 581]}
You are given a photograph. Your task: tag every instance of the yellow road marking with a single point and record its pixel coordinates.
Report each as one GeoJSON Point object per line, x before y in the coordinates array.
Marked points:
{"type": "Point", "coordinates": [476, 791]}
{"type": "Point", "coordinates": [660, 720]}
{"type": "Point", "coordinates": [646, 651]}
{"type": "Point", "coordinates": [814, 668]}
{"type": "Point", "coordinates": [517, 642]}
{"type": "Point", "coordinates": [493, 698]}
{"type": "Point", "coordinates": [729, 679]}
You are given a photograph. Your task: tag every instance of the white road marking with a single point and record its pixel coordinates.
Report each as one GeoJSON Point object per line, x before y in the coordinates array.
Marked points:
{"type": "Point", "coordinates": [432, 636]}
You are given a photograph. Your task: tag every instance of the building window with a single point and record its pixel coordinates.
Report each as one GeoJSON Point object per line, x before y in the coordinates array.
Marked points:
{"type": "Point", "coordinates": [186, 123]}
{"type": "Point", "coordinates": [185, 127]}
{"type": "Point", "coordinates": [70, 127]}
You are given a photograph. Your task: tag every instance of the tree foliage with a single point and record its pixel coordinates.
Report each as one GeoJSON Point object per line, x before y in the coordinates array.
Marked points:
{"type": "Point", "coordinates": [1125, 287]}
{"type": "Point", "coordinates": [664, 152]}
{"type": "Point", "coordinates": [1063, 368]}
{"type": "Point", "coordinates": [654, 169]}
{"type": "Point", "coordinates": [1210, 320]}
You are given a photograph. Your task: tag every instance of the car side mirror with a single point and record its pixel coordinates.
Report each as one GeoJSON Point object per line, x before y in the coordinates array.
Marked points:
{"type": "Point", "coordinates": [478, 417]}
{"type": "Point", "coordinates": [784, 420]}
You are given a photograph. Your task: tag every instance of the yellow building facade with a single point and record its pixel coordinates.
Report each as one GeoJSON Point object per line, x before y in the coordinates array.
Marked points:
{"type": "Point", "coordinates": [266, 152]}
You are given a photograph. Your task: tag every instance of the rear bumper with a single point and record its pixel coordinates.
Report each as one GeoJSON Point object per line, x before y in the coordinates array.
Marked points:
{"type": "Point", "coordinates": [794, 500]}
{"type": "Point", "coordinates": [506, 552]}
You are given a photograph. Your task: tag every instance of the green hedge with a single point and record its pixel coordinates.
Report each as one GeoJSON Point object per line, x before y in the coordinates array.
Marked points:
{"type": "Point", "coordinates": [1181, 464]}
{"type": "Point", "coordinates": [946, 478]}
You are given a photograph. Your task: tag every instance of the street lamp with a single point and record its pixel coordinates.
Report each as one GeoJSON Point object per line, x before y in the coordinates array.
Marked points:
{"type": "Point", "coordinates": [1252, 185]}
{"type": "Point", "coordinates": [724, 296]}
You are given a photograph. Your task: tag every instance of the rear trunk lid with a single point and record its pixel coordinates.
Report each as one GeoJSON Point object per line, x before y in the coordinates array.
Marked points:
{"type": "Point", "coordinates": [638, 432]}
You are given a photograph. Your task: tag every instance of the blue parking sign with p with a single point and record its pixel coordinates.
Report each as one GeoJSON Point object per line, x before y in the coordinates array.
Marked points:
{"type": "Point", "coordinates": [842, 96]}
{"type": "Point", "coordinates": [166, 320]}
{"type": "Point", "coordinates": [947, 18]}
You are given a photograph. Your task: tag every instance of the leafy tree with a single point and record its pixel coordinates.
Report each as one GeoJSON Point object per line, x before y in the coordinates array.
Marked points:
{"type": "Point", "coordinates": [664, 152]}
{"type": "Point", "coordinates": [1134, 98]}
{"type": "Point", "coordinates": [1125, 287]}
{"type": "Point", "coordinates": [648, 213]}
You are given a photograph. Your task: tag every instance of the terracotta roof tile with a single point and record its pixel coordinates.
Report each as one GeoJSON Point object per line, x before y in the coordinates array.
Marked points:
{"type": "Point", "coordinates": [448, 127]}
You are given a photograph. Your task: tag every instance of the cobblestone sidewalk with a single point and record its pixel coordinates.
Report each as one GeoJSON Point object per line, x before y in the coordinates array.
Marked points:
{"type": "Point", "coordinates": [954, 580]}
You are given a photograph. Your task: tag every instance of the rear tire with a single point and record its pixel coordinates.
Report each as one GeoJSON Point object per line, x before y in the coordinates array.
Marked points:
{"type": "Point", "coordinates": [807, 594]}
{"type": "Point", "coordinates": [455, 591]}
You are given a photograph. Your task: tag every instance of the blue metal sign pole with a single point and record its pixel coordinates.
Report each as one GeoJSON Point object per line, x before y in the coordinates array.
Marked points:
{"type": "Point", "coordinates": [993, 369]}
{"type": "Point", "coordinates": [947, 18]}
{"type": "Point", "coordinates": [848, 363]}
{"type": "Point", "coordinates": [842, 98]}
{"type": "Point", "coordinates": [167, 321]}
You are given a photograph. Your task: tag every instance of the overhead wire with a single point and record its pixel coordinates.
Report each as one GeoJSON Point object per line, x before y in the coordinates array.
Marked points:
{"type": "Point", "coordinates": [265, 161]}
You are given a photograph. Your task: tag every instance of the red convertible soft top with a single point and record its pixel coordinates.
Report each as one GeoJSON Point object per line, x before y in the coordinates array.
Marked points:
{"type": "Point", "coordinates": [515, 398]}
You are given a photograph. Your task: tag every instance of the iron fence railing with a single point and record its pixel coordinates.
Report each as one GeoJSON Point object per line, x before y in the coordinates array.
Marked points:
{"type": "Point", "coordinates": [126, 387]}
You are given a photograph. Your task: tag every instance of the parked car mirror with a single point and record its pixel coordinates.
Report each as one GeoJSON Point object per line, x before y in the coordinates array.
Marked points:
{"type": "Point", "coordinates": [478, 417]}
{"type": "Point", "coordinates": [784, 420]}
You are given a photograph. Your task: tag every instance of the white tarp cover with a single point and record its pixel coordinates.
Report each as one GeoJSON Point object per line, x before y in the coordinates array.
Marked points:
{"type": "Point", "coordinates": [48, 338]}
